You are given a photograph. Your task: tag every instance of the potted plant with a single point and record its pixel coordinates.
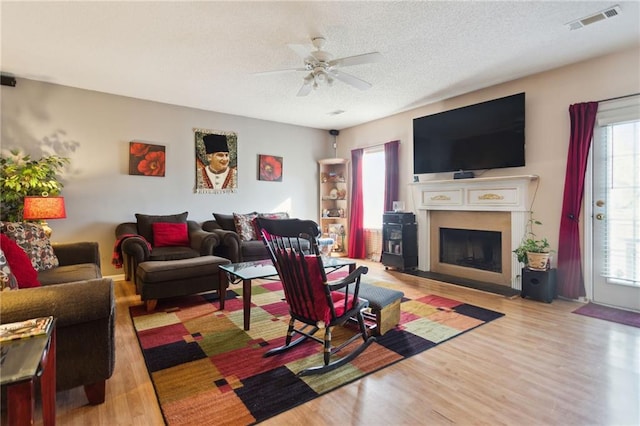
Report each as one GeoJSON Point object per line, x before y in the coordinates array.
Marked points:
{"type": "Point", "coordinates": [532, 251]}
{"type": "Point", "coordinates": [21, 176]}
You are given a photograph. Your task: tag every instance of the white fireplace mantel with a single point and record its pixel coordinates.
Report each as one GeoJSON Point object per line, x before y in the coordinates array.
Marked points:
{"type": "Point", "coordinates": [501, 194]}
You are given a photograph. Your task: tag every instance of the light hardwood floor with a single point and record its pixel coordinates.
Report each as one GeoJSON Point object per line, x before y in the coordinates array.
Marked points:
{"type": "Point", "coordinates": [538, 365]}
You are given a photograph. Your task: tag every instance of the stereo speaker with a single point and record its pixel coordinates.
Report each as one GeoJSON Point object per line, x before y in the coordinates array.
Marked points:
{"type": "Point", "coordinates": [539, 285]}
{"type": "Point", "coordinates": [7, 80]}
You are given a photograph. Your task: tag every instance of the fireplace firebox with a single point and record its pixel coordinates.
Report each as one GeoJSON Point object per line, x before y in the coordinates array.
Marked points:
{"type": "Point", "coordinates": [471, 248]}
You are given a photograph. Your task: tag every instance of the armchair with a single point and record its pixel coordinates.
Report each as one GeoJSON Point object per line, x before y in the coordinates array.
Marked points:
{"type": "Point", "coordinates": [140, 242]}
{"type": "Point", "coordinates": [83, 304]}
{"type": "Point", "coordinates": [234, 245]}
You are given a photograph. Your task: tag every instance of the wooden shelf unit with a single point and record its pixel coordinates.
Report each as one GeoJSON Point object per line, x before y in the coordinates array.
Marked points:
{"type": "Point", "coordinates": [334, 202]}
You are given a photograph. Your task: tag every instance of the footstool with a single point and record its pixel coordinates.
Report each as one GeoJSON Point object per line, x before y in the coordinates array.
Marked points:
{"type": "Point", "coordinates": [170, 278]}
{"type": "Point", "coordinates": [384, 307]}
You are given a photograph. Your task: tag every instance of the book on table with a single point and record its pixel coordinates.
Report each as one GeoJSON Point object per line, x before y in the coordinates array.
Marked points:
{"type": "Point", "coordinates": [27, 328]}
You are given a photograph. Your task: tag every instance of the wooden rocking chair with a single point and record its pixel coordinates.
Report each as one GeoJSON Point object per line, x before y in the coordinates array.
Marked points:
{"type": "Point", "coordinates": [314, 302]}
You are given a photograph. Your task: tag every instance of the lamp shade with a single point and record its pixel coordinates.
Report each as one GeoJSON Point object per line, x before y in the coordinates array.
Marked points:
{"type": "Point", "coordinates": [36, 208]}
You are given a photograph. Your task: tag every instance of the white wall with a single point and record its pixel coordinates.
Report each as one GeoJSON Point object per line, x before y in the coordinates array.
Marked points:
{"type": "Point", "coordinates": [94, 130]}
{"type": "Point", "coordinates": [548, 97]}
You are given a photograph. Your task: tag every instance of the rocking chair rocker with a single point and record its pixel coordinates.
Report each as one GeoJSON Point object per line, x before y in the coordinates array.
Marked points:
{"type": "Point", "coordinates": [314, 302]}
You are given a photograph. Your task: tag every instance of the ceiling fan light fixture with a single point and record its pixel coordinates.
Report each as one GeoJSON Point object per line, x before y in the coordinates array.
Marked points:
{"type": "Point", "coordinates": [321, 69]}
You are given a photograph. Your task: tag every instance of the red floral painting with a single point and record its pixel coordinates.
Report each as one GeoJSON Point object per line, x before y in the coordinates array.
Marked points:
{"type": "Point", "coordinates": [146, 159]}
{"type": "Point", "coordinates": [270, 168]}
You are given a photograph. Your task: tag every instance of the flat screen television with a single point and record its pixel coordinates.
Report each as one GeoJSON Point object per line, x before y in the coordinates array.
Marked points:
{"type": "Point", "coordinates": [487, 135]}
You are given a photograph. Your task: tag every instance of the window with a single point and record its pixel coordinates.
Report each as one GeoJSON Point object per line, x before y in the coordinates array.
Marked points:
{"type": "Point", "coordinates": [373, 172]}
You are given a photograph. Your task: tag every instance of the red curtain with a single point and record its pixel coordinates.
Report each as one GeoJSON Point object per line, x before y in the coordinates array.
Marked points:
{"type": "Point", "coordinates": [357, 249]}
{"type": "Point", "coordinates": [391, 178]}
{"type": "Point", "coordinates": [570, 277]}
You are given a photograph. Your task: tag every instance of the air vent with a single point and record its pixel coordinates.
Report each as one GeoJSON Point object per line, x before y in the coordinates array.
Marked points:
{"type": "Point", "coordinates": [599, 16]}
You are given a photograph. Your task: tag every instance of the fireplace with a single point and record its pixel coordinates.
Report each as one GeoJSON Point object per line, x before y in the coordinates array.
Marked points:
{"type": "Point", "coordinates": [471, 249]}
{"type": "Point", "coordinates": [472, 237]}
{"type": "Point", "coordinates": [484, 219]}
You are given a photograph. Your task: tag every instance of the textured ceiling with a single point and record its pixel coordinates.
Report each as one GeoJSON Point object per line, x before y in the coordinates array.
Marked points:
{"type": "Point", "coordinates": [205, 54]}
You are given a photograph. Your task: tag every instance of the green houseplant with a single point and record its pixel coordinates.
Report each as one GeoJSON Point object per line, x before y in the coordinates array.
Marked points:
{"type": "Point", "coordinates": [531, 244]}
{"type": "Point", "coordinates": [20, 176]}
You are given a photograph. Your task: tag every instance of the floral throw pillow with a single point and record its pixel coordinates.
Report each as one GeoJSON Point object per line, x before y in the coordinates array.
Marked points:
{"type": "Point", "coordinates": [7, 279]}
{"type": "Point", "coordinates": [244, 226]}
{"type": "Point", "coordinates": [33, 240]}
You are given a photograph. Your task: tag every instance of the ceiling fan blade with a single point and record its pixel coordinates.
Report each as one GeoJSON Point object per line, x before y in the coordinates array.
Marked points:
{"type": "Point", "coordinates": [305, 89]}
{"type": "Point", "coordinates": [350, 79]}
{"type": "Point", "coordinates": [365, 58]}
{"type": "Point", "coordinates": [280, 71]}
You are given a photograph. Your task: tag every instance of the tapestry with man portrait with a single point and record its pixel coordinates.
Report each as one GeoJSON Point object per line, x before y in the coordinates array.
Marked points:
{"type": "Point", "coordinates": [216, 161]}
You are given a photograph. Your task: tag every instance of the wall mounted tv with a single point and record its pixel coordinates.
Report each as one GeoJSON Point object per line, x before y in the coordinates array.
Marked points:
{"type": "Point", "coordinates": [487, 135]}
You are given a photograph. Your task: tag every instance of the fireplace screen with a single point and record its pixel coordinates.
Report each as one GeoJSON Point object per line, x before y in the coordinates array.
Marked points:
{"type": "Point", "coordinates": [472, 249]}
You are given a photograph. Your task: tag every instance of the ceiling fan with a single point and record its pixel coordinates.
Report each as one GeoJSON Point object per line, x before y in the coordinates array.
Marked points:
{"type": "Point", "coordinates": [321, 69]}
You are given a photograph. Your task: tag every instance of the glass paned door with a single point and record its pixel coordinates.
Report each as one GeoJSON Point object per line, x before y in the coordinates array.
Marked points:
{"type": "Point", "coordinates": [616, 210]}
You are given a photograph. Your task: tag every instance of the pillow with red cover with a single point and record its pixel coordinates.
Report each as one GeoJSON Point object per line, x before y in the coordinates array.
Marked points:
{"type": "Point", "coordinates": [170, 234]}
{"type": "Point", "coordinates": [19, 262]}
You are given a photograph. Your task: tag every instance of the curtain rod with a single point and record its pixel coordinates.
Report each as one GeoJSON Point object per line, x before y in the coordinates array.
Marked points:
{"type": "Point", "coordinates": [619, 97]}
{"type": "Point", "coordinates": [378, 144]}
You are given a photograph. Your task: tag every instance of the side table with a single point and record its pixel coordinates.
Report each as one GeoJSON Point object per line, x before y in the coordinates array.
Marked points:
{"type": "Point", "coordinates": [24, 361]}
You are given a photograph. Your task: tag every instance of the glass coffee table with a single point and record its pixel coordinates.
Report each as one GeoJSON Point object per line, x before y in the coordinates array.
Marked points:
{"type": "Point", "coordinates": [262, 269]}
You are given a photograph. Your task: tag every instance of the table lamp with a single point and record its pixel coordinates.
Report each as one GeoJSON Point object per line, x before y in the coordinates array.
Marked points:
{"type": "Point", "coordinates": [42, 208]}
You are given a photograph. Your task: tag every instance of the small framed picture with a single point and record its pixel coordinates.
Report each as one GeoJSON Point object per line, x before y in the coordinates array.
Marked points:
{"type": "Point", "coordinates": [146, 159]}
{"type": "Point", "coordinates": [270, 168]}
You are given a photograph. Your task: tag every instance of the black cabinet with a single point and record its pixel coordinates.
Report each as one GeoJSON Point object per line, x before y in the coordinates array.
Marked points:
{"type": "Point", "coordinates": [399, 240]}
{"type": "Point", "coordinates": [539, 285]}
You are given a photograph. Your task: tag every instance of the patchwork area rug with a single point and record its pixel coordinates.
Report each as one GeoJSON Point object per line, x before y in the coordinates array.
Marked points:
{"type": "Point", "coordinates": [609, 314]}
{"type": "Point", "coordinates": [207, 370]}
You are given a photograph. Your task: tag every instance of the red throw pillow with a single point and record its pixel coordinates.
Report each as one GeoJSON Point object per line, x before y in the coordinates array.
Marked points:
{"type": "Point", "coordinates": [19, 262]}
{"type": "Point", "coordinates": [170, 234]}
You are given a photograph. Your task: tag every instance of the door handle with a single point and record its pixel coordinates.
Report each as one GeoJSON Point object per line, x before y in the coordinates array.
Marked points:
{"type": "Point", "coordinates": [599, 203]}
{"type": "Point", "coordinates": [600, 216]}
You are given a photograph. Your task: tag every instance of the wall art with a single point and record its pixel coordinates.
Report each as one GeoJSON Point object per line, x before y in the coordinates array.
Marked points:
{"type": "Point", "coordinates": [216, 161]}
{"type": "Point", "coordinates": [146, 159]}
{"type": "Point", "coordinates": [270, 168]}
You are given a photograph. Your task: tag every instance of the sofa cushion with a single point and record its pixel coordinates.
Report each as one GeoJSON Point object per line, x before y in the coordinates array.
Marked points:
{"type": "Point", "coordinates": [33, 240]}
{"type": "Point", "coordinates": [8, 279]}
{"type": "Point", "coordinates": [145, 223]}
{"type": "Point", "coordinates": [173, 253]}
{"type": "Point", "coordinates": [170, 234]}
{"type": "Point", "coordinates": [19, 262]}
{"type": "Point", "coordinates": [245, 226]}
{"type": "Point", "coordinates": [254, 250]}
{"type": "Point", "coordinates": [225, 221]}
{"type": "Point", "coordinates": [70, 273]}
